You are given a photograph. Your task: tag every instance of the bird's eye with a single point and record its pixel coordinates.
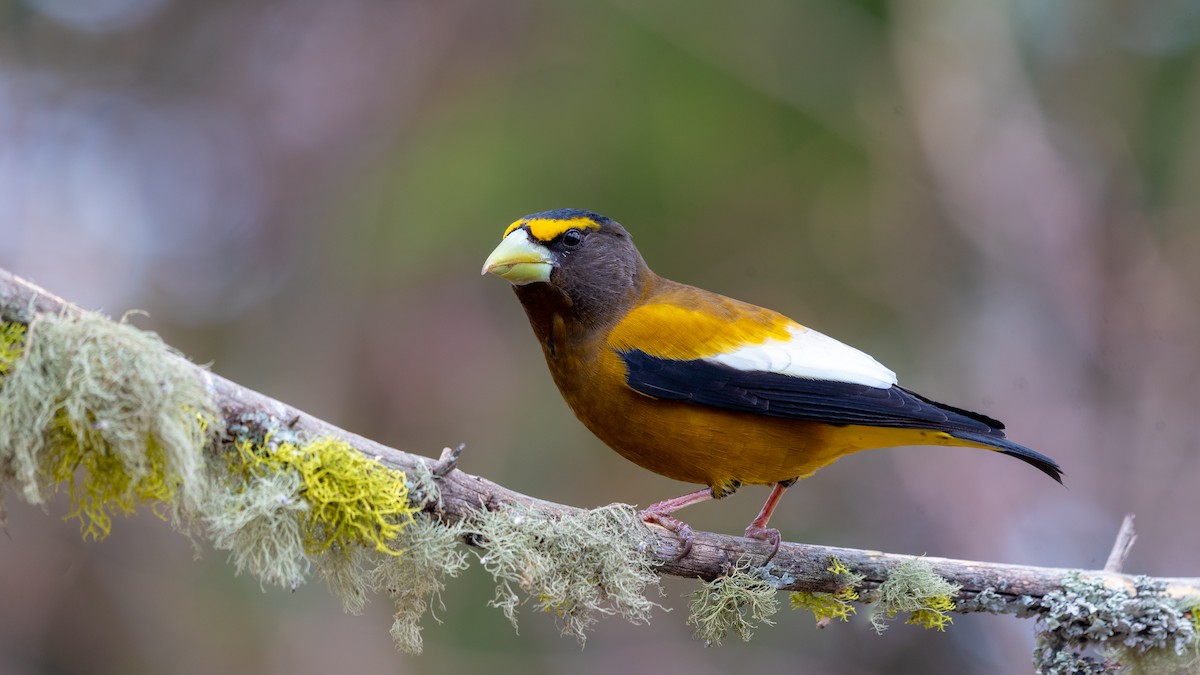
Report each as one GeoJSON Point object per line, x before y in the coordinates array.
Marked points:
{"type": "Point", "coordinates": [572, 238]}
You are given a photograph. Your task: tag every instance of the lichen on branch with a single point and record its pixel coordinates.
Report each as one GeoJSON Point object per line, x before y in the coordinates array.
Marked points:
{"type": "Point", "coordinates": [118, 419]}
{"type": "Point", "coordinates": [574, 566]}
{"type": "Point", "coordinates": [913, 587]}
{"type": "Point", "coordinates": [1144, 631]}
{"type": "Point", "coordinates": [826, 607]}
{"type": "Point", "coordinates": [107, 410]}
{"type": "Point", "coordinates": [737, 602]}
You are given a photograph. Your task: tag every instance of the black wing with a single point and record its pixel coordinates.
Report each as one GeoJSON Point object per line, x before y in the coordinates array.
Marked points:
{"type": "Point", "coordinates": [828, 401]}
{"type": "Point", "coordinates": [779, 395]}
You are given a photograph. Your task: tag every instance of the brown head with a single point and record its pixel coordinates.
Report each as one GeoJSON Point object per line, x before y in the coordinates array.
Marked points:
{"type": "Point", "coordinates": [575, 263]}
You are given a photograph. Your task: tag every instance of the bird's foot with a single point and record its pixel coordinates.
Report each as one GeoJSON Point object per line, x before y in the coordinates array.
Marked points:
{"type": "Point", "coordinates": [673, 524]}
{"type": "Point", "coordinates": [767, 534]}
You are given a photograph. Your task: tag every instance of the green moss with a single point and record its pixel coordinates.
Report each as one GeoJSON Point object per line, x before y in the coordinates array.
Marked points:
{"type": "Point", "coordinates": [735, 603]}
{"type": "Point", "coordinates": [573, 566]}
{"type": "Point", "coordinates": [106, 409]}
{"type": "Point", "coordinates": [913, 587]}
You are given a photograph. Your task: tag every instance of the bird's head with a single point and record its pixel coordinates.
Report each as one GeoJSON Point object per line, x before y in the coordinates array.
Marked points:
{"type": "Point", "coordinates": [587, 260]}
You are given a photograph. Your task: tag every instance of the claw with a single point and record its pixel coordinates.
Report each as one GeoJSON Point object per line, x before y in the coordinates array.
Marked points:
{"type": "Point", "coordinates": [767, 534]}
{"type": "Point", "coordinates": [680, 528]}
{"type": "Point", "coordinates": [758, 527]}
{"type": "Point", "coordinates": [660, 513]}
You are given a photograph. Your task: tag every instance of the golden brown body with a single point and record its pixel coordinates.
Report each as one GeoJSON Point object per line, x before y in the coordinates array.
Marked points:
{"type": "Point", "coordinates": [703, 388]}
{"type": "Point", "coordinates": [694, 444]}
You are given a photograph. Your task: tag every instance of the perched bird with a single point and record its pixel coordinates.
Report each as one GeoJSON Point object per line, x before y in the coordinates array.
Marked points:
{"type": "Point", "coordinates": [703, 388]}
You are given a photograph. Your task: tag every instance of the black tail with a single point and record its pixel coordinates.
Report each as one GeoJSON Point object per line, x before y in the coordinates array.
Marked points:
{"type": "Point", "coordinates": [1038, 460]}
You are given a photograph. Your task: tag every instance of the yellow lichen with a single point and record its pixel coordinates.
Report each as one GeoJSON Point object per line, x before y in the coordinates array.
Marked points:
{"type": "Point", "coordinates": [352, 500]}
{"type": "Point", "coordinates": [826, 605]}
{"type": "Point", "coordinates": [12, 344]}
{"type": "Point", "coordinates": [836, 605]}
{"type": "Point", "coordinates": [935, 614]}
{"type": "Point", "coordinates": [107, 409]}
{"type": "Point", "coordinates": [838, 568]}
{"type": "Point", "coordinates": [105, 485]}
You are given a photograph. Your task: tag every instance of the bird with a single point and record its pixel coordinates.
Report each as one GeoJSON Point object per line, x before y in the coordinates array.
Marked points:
{"type": "Point", "coordinates": [703, 388]}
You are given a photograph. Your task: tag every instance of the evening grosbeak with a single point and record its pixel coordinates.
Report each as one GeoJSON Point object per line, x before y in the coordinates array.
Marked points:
{"type": "Point", "coordinates": [703, 388]}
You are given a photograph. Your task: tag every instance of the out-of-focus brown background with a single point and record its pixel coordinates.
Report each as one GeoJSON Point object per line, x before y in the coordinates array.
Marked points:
{"type": "Point", "coordinates": [998, 200]}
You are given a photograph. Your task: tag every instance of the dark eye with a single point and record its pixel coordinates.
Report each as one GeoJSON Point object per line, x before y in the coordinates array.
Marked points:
{"type": "Point", "coordinates": [572, 238]}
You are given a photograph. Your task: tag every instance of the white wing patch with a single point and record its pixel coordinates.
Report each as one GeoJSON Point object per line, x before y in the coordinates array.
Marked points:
{"type": "Point", "coordinates": [811, 355]}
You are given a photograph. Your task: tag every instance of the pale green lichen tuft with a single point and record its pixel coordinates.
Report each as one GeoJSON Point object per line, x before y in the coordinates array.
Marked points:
{"type": "Point", "coordinates": [107, 409]}
{"type": "Point", "coordinates": [913, 587]}
{"type": "Point", "coordinates": [347, 573]}
{"type": "Point", "coordinates": [829, 606]}
{"type": "Point", "coordinates": [414, 581]}
{"type": "Point", "coordinates": [735, 603]}
{"type": "Point", "coordinates": [1143, 631]}
{"type": "Point", "coordinates": [573, 566]}
{"type": "Point", "coordinates": [260, 523]}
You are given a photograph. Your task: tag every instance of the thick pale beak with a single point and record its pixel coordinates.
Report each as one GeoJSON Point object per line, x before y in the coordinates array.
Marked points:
{"type": "Point", "coordinates": [520, 260]}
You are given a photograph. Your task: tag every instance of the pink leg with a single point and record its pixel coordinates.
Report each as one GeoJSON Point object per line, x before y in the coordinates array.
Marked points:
{"type": "Point", "coordinates": [758, 527]}
{"type": "Point", "coordinates": [660, 513]}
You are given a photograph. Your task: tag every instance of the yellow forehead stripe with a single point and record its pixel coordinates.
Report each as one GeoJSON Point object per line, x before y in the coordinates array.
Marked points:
{"type": "Point", "coordinates": [545, 229]}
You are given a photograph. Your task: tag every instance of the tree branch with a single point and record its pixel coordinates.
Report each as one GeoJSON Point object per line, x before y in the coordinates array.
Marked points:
{"type": "Point", "coordinates": [985, 586]}
{"type": "Point", "coordinates": [1122, 546]}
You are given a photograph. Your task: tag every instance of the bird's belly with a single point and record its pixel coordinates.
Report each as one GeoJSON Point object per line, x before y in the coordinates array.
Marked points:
{"type": "Point", "coordinates": [698, 444]}
{"type": "Point", "coordinates": [708, 445]}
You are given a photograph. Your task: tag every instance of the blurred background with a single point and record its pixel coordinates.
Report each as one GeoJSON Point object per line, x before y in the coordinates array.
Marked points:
{"type": "Point", "coordinates": [999, 200]}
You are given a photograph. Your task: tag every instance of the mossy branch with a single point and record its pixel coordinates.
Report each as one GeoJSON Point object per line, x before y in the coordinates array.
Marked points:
{"type": "Point", "coordinates": [1075, 607]}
